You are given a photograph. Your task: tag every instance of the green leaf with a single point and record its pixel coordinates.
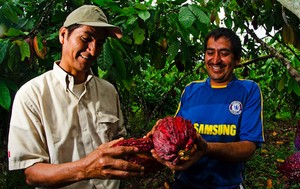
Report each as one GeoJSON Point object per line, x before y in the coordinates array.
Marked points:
{"type": "Point", "coordinates": [290, 85]}
{"type": "Point", "coordinates": [7, 11]}
{"type": "Point", "coordinates": [107, 55]}
{"type": "Point", "coordinates": [141, 6]}
{"type": "Point", "coordinates": [295, 61]}
{"type": "Point", "coordinates": [14, 56]}
{"type": "Point", "coordinates": [182, 31]}
{"type": "Point", "coordinates": [5, 99]}
{"type": "Point", "coordinates": [3, 49]}
{"type": "Point", "coordinates": [282, 83]}
{"type": "Point", "coordinates": [201, 16]}
{"type": "Point", "coordinates": [102, 74]}
{"type": "Point", "coordinates": [186, 17]}
{"type": "Point", "coordinates": [144, 15]}
{"type": "Point", "coordinates": [173, 50]}
{"type": "Point", "coordinates": [78, 3]}
{"type": "Point", "coordinates": [127, 84]}
{"type": "Point", "coordinates": [138, 35]}
{"type": "Point", "coordinates": [296, 88]}
{"type": "Point", "coordinates": [228, 23]}
{"type": "Point", "coordinates": [13, 32]}
{"type": "Point", "coordinates": [24, 50]}
{"type": "Point", "coordinates": [119, 65]}
{"type": "Point", "coordinates": [131, 20]}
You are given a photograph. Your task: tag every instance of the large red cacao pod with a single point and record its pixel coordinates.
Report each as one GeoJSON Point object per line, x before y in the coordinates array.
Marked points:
{"type": "Point", "coordinates": [291, 167]}
{"type": "Point", "coordinates": [144, 156]}
{"type": "Point", "coordinates": [297, 136]}
{"type": "Point", "coordinates": [174, 139]}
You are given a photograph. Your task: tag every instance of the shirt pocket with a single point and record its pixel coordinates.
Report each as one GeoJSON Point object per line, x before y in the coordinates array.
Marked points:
{"type": "Point", "coordinates": [107, 126]}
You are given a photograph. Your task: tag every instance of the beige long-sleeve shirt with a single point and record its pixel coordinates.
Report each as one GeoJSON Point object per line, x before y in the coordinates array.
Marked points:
{"type": "Point", "coordinates": [51, 124]}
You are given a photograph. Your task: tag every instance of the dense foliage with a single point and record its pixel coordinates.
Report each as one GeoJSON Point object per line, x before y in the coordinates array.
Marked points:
{"type": "Point", "coordinates": [161, 51]}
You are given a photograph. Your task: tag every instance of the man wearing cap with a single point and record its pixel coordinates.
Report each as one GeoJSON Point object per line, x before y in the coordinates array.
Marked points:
{"type": "Point", "coordinates": [65, 121]}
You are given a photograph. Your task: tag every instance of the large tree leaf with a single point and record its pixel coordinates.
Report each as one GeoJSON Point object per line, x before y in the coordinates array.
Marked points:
{"type": "Point", "coordinates": [186, 17]}
{"type": "Point", "coordinates": [107, 55]}
{"type": "Point", "coordinates": [173, 50]}
{"type": "Point", "coordinates": [144, 14]}
{"type": "Point", "coordinates": [282, 83]}
{"type": "Point", "coordinates": [24, 50]}
{"type": "Point", "coordinates": [201, 16]}
{"type": "Point", "coordinates": [138, 35]}
{"type": "Point", "coordinates": [119, 65]}
{"type": "Point", "coordinates": [13, 32]}
{"type": "Point", "coordinates": [3, 49]}
{"type": "Point", "coordinates": [5, 99]}
{"type": "Point", "coordinates": [7, 11]}
{"type": "Point", "coordinates": [296, 88]}
{"type": "Point", "coordinates": [14, 56]}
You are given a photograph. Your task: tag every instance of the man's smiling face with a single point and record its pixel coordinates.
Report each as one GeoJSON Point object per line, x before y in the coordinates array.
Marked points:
{"type": "Point", "coordinates": [81, 48]}
{"type": "Point", "coordinates": [219, 61]}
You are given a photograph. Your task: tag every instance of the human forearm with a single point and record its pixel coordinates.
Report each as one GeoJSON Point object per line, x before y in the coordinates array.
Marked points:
{"type": "Point", "coordinates": [104, 163]}
{"type": "Point", "coordinates": [232, 151]}
{"type": "Point", "coordinates": [44, 174]}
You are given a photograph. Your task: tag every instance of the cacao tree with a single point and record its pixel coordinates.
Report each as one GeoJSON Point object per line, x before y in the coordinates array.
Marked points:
{"type": "Point", "coordinates": [160, 52]}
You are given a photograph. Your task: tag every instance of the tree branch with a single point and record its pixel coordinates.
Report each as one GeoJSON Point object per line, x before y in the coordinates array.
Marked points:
{"type": "Point", "coordinates": [44, 14]}
{"type": "Point", "coordinates": [255, 60]}
{"type": "Point", "coordinates": [293, 72]}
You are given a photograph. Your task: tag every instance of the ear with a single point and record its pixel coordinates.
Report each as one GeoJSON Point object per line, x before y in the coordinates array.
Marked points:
{"type": "Point", "coordinates": [237, 61]}
{"type": "Point", "coordinates": [62, 34]}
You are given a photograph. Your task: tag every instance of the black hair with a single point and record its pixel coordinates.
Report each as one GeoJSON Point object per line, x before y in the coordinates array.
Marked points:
{"type": "Point", "coordinates": [236, 45]}
{"type": "Point", "coordinates": [71, 28]}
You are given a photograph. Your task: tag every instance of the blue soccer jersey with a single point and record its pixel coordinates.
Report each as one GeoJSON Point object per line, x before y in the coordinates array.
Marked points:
{"type": "Point", "coordinates": [224, 114]}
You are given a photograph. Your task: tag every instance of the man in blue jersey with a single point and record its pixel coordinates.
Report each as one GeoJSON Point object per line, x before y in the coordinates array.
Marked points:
{"type": "Point", "coordinates": [226, 112]}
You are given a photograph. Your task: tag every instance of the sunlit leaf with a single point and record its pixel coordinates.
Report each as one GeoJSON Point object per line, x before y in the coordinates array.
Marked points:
{"type": "Point", "coordinates": [138, 35]}
{"type": "Point", "coordinates": [144, 15]}
{"type": "Point", "coordinates": [141, 6]}
{"type": "Point", "coordinates": [201, 16]}
{"type": "Point", "coordinates": [186, 17]}
{"type": "Point", "coordinates": [131, 19]}
{"type": "Point", "coordinates": [24, 50]}
{"type": "Point", "coordinates": [13, 32]}
{"type": "Point", "coordinates": [102, 74]}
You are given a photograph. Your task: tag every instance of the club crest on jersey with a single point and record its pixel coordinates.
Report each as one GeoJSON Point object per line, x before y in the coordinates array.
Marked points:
{"type": "Point", "coordinates": [236, 107]}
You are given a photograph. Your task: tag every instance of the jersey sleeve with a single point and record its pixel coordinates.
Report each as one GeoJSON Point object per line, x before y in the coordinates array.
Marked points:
{"type": "Point", "coordinates": [252, 118]}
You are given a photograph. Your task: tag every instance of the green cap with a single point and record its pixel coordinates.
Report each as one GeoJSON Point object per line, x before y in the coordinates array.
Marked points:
{"type": "Point", "coordinates": [92, 15]}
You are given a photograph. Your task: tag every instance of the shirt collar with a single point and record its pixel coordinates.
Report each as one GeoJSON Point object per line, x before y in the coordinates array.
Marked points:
{"type": "Point", "coordinates": [234, 78]}
{"type": "Point", "coordinates": [67, 80]}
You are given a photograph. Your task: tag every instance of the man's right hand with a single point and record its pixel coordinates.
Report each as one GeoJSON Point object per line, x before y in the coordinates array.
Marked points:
{"type": "Point", "coordinates": [104, 163]}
